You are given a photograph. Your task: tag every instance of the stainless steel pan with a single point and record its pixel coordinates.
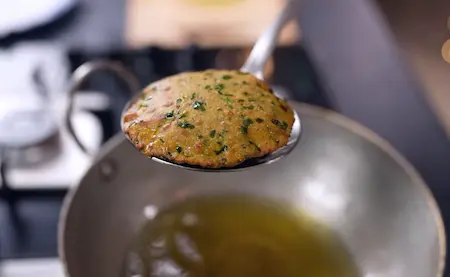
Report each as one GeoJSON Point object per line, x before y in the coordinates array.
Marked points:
{"type": "Point", "coordinates": [340, 172]}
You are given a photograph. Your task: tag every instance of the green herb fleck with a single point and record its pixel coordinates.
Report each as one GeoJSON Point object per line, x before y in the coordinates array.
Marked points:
{"type": "Point", "coordinates": [183, 115]}
{"type": "Point", "coordinates": [212, 133]}
{"type": "Point", "coordinates": [244, 83]}
{"type": "Point", "coordinates": [161, 140]}
{"type": "Point", "coordinates": [245, 93]}
{"type": "Point", "coordinates": [283, 107]}
{"type": "Point", "coordinates": [219, 88]}
{"type": "Point", "coordinates": [254, 144]}
{"type": "Point", "coordinates": [259, 120]}
{"type": "Point", "coordinates": [247, 121]}
{"type": "Point", "coordinates": [199, 106]}
{"type": "Point", "coordinates": [169, 114]}
{"type": "Point", "coordinates": [251, 107]}
{"type": "Point", "coordinates": [185, 125]}
{"type": "Point", "coordinates": [143, 106]}
{"type": "Point", "coordinates": [228, 100]}
{"type": "Point", "coordinates": [199, 136]}
{"type": "Point", "coordinates": [193, 95]}
{"type": "Point", "coordinates": [228, 94]}
{"type": "Point", "coordinates": [226, 77]}
{"type": "Point", "coordinates": [283, 125]}
{"type": "Point", "coordinates": [245, 124]}
{"type": "Point", "coordinates": [179, 100]}
{"type": "Point", "coordinates": [179, 149]}
{"type": "Point", "coordinates": [222, 149]}
{"type": "Point", "coordinates": [208, 87]}
{"type": "Point", "coordinates": [241, 101]}
{"type": "Point", "coordinates": [251, 100]}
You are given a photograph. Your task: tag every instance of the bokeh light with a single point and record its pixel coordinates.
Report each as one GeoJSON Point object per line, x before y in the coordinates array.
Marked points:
{"type": "Point", "coordinates": [446, 51]}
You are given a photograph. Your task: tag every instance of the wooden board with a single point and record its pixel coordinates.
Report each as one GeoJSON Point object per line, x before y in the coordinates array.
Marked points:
{"type": "Point", "coordinates": [207, 23]}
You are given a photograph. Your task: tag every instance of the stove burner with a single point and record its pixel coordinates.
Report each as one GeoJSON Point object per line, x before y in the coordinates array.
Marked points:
{"type": "Point", "coordinates": [21, 129]}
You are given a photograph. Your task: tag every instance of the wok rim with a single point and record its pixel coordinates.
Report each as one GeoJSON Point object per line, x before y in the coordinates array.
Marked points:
{"type": "Point", "coordinates": [335, 118]}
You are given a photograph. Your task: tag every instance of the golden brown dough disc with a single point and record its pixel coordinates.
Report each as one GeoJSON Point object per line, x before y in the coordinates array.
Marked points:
{"type": "Point", "coordinates": [214, 118]}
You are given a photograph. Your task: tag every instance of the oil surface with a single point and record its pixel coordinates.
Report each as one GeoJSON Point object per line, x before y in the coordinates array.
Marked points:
{"type": "Point", "coordinates": [234, 237]}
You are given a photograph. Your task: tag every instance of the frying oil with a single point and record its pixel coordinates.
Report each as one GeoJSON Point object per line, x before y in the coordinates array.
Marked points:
{"type": "Point", "coordinates": [236, 237]}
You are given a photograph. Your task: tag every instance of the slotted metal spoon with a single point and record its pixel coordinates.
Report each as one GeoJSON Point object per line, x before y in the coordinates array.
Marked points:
{"type": "Point", "coordinates": [254, 65]}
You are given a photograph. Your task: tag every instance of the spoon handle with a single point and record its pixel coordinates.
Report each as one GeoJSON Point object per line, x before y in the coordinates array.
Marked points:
{"type": "Point", "coordinates": [264, 46]}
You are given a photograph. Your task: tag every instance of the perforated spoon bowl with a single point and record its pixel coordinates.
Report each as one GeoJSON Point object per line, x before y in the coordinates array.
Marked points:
{"type": "Point", "coordinates": [254, 65]}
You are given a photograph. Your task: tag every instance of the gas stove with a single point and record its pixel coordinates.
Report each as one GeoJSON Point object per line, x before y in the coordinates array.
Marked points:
{"type": "Point", "coordinates": [29, 209]}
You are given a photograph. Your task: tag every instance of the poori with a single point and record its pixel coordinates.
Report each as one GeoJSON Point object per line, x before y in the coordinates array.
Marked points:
{"type": "Point", "coordinates": [213, 118]}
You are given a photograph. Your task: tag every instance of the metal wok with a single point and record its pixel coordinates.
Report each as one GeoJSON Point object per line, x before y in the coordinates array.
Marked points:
{"type": "Point", "coordinates": [340, 172]}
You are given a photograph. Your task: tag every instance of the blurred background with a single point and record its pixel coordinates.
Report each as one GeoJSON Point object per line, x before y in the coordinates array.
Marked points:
{"type": "Point", "coordinates": [382, 63]}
